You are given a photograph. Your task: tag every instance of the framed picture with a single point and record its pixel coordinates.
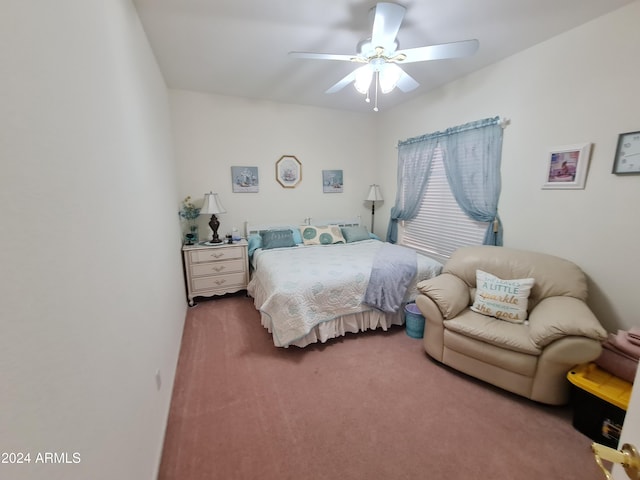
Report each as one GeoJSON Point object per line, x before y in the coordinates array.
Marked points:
{"type": "Point", "coordinates": [627, 159]}
{"type": "Point", "coordinates": [332, 181]}
{"type": "Point", "coordinates": [566, 167]}
{"type": "Point", "coordinates": [244, 179]}
{"type": "Point", "coordinates": [288, 171]}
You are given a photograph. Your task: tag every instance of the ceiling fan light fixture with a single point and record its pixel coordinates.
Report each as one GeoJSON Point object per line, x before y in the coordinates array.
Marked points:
{"type": "Point", "coordinates": [363, 79]}
{"type": "Point", "coordinates": [389, 77]}
{"type": "Point", "coordinates": [379, 56]}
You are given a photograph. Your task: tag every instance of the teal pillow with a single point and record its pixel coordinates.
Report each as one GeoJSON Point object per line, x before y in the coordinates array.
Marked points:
{"type": "Point", "coordinates": [255, 242]}
{"type": "Point", "coordinates": [277, 239]}
{"type": "Point", "coordinates": [355, 234]}
{"type": "Point", "coordinates": [297, 237]}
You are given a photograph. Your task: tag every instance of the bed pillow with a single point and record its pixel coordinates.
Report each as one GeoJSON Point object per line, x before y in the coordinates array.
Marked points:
{"type": "Point", "coordinates": [503, 299]}
{"type": "Point", "coordinates": [321, 235]}
{"type": "Point", "coordinates": [277, 239]}
{"type": "Point", "coordinates": [255, 242]}
{"type": "Point", "coordinates": [297, 237]}
{"type": "Point", "coordinates": [355, 234]}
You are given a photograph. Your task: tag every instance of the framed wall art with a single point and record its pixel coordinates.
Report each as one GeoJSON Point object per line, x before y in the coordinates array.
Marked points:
{"type": "Point", "coordinates": [288, 171]}
{"type": "Point", "coordinates": [332, 181]}
{"type": "Point", "coordinates": [245, 179]}
{"type": "Point", "coordinates": [566, 167]}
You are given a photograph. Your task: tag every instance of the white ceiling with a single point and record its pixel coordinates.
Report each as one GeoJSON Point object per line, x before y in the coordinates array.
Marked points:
{"type": "Point", "coordinates": [240, 47]}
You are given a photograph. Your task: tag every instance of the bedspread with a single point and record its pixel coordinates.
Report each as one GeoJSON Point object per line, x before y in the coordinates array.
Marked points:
{"type": "Point", "coordinates": [301, 287]}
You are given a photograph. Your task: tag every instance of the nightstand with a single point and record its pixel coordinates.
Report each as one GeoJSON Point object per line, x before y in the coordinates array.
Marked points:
{"type": "Point", "coordinates": [215, 269]}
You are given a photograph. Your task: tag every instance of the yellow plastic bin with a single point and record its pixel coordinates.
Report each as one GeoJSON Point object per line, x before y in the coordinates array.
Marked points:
{"type": "Point", "coordinates": [600, 401]}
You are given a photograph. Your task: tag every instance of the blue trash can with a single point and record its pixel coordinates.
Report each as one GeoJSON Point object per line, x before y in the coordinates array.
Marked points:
{"type": "Point", "coordinates": [414, 321]}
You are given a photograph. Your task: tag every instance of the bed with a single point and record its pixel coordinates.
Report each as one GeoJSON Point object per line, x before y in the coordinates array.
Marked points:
{"type": "Point", "coordinates": [311, 290]}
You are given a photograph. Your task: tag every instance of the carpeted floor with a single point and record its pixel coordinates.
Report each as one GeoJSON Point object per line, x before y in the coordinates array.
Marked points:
{"type": "Point", "coordinates": [366, 406]}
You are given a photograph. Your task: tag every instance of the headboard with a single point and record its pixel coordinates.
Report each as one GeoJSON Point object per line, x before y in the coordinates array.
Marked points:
{"type": "Point", "coordinates": [252, 228]}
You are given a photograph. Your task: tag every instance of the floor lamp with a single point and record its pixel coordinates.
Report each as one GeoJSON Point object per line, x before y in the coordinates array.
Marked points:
{"type": "Point", "coordinates": [212, 206]}
{"type": "Point", "coordinates": [373, 197]}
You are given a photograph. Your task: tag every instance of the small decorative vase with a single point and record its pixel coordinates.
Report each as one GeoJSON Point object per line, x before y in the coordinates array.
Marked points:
{"type": "Point", "coordinates": [191, 236]}
{"type": "Point", "coordinates": [193, 232]}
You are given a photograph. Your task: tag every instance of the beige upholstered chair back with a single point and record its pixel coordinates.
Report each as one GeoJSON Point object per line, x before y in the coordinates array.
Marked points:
{"type": "Point", "coordinates": [553, 276]}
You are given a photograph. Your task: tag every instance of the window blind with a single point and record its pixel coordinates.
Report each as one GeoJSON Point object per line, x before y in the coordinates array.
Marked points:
{"type": "Point", "coordinates": [441, 226]}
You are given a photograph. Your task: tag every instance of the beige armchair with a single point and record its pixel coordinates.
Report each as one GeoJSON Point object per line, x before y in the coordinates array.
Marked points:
{"type": "Point", "coordinates": [530, 359]}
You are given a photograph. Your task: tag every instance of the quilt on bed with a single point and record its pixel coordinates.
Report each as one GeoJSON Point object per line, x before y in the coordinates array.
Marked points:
{"type": "Point", "coordinates": [301, 287]}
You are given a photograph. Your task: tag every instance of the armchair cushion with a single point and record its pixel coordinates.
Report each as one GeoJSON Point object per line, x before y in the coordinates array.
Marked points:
{"type": "Point", "coordinates": [507, 335]}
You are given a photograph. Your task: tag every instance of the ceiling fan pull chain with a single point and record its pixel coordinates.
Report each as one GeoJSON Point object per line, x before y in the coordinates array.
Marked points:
{"type": "Point", "coordinates": [375, 107]}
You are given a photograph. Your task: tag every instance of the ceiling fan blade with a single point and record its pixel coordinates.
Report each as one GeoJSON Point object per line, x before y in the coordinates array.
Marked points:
{"type": "Point", "coordinates": [386, 24]}
{"type": "Point", "coordinates": [465, 48]}
{"type": "Point", "coordinates": [407, 83]}
{"type": "Point", "coordinates": [342, 83]}
{"type": "Point", "coordinates": [322, 56]}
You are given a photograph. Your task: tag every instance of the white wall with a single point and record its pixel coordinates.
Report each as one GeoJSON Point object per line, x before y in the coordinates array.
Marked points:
{"type": "Point", "coordinates": [92, 292]}
{"type": "Point", "coordinates": [578, 87]}
{"type": "Point", "coordinates": [212, 133]}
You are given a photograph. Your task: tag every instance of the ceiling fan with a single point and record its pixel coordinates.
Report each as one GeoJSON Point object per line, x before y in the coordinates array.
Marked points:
{"type": "Point", "coordinates": [380, 57]}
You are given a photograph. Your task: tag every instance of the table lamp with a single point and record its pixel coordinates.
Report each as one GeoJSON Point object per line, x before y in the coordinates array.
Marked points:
{"type": "Point", "coordinates": [212, 206]}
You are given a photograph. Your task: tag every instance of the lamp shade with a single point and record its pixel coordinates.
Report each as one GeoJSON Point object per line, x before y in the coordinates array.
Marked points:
{"type": "Point", "coordinates": [211, 204]}
{"type": "Point", "coordinates": [364, 75]}
{"type": "Point", "coordinates": [389, 77]}
{"type": "Point", "coordinates": [374, 194]}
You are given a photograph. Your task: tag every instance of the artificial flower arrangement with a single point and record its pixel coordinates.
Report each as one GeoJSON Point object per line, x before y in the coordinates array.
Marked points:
{"type": "Point", "coordinates": [190, 212]}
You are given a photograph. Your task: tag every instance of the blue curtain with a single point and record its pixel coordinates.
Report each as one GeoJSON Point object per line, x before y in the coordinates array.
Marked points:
{"type": "Point", "coordinates": [414, 162]}
{"type": "Point", "coordinates": [472, 156]}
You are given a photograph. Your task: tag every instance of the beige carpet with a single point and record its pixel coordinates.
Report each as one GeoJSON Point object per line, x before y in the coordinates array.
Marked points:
{"type": "Point", "coordinates": [367, 406]}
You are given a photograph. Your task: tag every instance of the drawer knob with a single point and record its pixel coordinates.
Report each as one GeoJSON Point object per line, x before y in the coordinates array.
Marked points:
{"type": "Point", "coordinates": [219, 282]}
{"type": "Point", "coordinates": [218, 268]}
{"type": "Point", "coordinates": [217, 255]}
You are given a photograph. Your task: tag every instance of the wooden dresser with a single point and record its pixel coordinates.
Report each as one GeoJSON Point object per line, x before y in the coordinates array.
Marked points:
{"type": "Point", "coordinates": [215, 270]}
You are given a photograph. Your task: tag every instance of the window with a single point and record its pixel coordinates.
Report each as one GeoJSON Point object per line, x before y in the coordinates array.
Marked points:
{"type": "Point", "coordinates": [440, 226]}
{"type": "Point", "coordinates": [425, 215]}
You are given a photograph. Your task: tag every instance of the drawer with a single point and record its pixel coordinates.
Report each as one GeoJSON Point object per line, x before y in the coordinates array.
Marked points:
{"type": "Point", "coordinates": [217, 268]}
{"type": "Point", "coordinates": [212, 254]}
{"type": "Point", "coordinates": [203, 284]}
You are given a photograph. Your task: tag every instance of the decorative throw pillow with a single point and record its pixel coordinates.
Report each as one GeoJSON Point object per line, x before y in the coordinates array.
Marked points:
{"type": "Point", "coordinates": [503, 299]}
{"type": "Point", "coordinates": [297, 237]}
{"type": "Point", "coordinates": [321, 235]}
{"type": "Point", "coordinates": [355, 234]}
{"type": "Point", "coordinates": [255, 242]}
{"type": "Point", "coordinates": [277, 239]}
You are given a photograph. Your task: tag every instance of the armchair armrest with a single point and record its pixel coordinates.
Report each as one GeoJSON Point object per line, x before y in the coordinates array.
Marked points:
{"type": "Point", "coordinates": [448, 292]}
{"type": "Point", "coordinates": [557, 317]}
